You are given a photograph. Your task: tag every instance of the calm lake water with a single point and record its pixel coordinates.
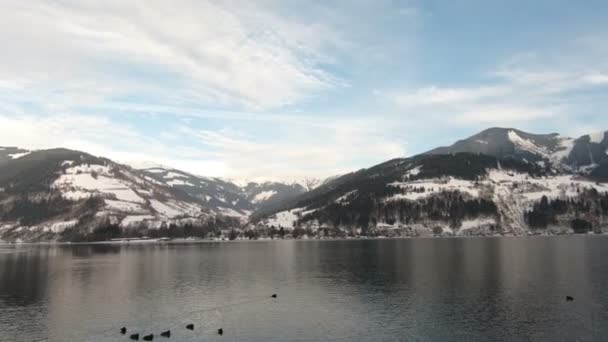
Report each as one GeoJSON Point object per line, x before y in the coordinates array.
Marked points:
{"type": "Point", "coordinates": [489, 289]}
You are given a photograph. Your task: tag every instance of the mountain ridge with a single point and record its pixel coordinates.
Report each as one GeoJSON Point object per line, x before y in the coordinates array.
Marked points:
{"type": "Point", "coordinates": [46, 193]}
{"type": "Point", "coordinates": [498, 181]}
{"type": "Point", "coordinates": [509, 169]}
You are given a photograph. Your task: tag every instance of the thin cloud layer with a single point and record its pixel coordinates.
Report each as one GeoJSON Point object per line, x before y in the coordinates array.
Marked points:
{"type": "Point", "coordinates": [286, 90]}
{"type": "Point", "coordinates": [202, 48]}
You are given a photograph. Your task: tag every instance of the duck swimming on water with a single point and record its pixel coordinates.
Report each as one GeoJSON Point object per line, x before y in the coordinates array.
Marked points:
{"type": "Point", "coordinates": [123, 330]}
{"type": "Point", "coordinates": [134, 337]}
{"type": "Point", "coordinates": [274, 295]}
{"type": "Point", "coordinates": [220, 331]}
{"type": "Point", "coordinates": [149, 337]}
{"type": "Point", "coordinates": [166, 333]}
{"type": "Point", "coordinates": [569, 298]}
{"type": "Point", "coordinates": [190, 326]}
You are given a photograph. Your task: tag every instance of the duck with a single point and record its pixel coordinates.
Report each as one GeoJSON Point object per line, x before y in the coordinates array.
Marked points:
{"type": "Point", "coordinates": [149, 337]}
{"type": "Point", "coordinates": [134, 337]}
{"type": "Point", "coordinates": [166, 333]}
{"type": "Point", "coordinates": [220, 331]}
{"type": "Point", "coordinates": [190, 326]}
{"type": "Point", "coordinates": [569, 298]}
{"type": "Point", "coordinates": [123, 330]}
{"type": "Point", "coordinates": [274, 295]}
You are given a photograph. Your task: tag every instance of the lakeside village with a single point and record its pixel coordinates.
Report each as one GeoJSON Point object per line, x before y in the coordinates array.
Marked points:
{"type": "Point", "coordinates": [381, 230]}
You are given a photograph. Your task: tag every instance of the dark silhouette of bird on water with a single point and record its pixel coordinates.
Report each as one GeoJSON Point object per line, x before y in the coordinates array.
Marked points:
{"type": "Point", "coordinates": [149, 337]}
{"type": "Point", "coordinates": [190, 326]}
{"type": "Point", "coordinates": [274, 295]}
{"type": "Point", "coordinates": [166, 333]}
{"type": "Point", "coordinates": [134, 337]}
{"type": "Point", "coordinates": [569, 298]}
{"type": "Point", "coordinates": [123, 330]}
{"type": "Point", "coordinates": [220, 331]}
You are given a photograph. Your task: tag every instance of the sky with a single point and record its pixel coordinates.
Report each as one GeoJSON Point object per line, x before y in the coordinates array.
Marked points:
{"type": "Point", "coordinates": [285, 90]}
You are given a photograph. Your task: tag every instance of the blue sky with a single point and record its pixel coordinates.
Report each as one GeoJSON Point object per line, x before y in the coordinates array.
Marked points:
{"type": "Point", "coordinates": [292, 89]}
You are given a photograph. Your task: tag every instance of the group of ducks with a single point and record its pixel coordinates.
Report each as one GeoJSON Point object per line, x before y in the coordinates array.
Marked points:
{"type": "Point", "coordinates": [220, 331]}
{"type": "Point", "coordinates": [167, 333]}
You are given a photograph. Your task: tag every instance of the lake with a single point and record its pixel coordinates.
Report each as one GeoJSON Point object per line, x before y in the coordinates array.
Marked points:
{"type": "Point", "coordinates": [436, 289]}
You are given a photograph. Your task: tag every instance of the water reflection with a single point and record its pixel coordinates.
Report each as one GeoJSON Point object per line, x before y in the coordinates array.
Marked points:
{"type": "Point", "coordinates": [416, 289]}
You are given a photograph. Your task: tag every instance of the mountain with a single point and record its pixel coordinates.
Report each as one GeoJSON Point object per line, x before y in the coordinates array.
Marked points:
{"type": "Point", "coordinates": [243, 199]}
{"type": "Point", "coordinates": [500, 181]}
{"type": "Point", "coordinates": [585, 153]}
{"type": "Point", "coordinates": [61, 194]}
{"type": "Point", "coordinates": [224, 196]}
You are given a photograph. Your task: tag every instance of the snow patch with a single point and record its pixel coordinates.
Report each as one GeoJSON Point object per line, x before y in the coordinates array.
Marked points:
{"type": "Point", "coordinates": [59, 227]}
{"type": "Point", "coordinates": [145, 165]}
{"type": "Point", "coordinates": [83, 181]}
{"type": "Point", "coordinates": [525, 144]}
{"type": "Point", "coordinates": [414, 172]}
{"type": "Point", "coordinates": [563, 150]}
{"type": "Point", "coordinates": [229, 212]}
{"type": "Point", "coordinates": [479, 222]}
{"type": "Point", "coordinates": [88, 168]}
{"type": "Point", "coordinates": [133, 219]}
{"type": "Point", "coordinates": [173, 209]}
{"type": "Point", "coordinates": [284, 219]}
{"type": "Point", "coordinates": [164, 209]}
{"type": "Point", "coordinates": [172, 174]}
{"type": "Point", "coordinates": [159, 170]}
{"type": "Point", "coordinates": [343, 199]}
{"type": "Point", "coordinates": [175, 182]}
{"type": "Point", "coordinates": [18, 155]}
{"type": "Point", "coordinates": [129, 207]}
{"type": "Point", "coordinates": [431, 186]}
{"type": "Point", "coordinates": [533, 189]}
{"type": "Point", "coordinates": [263, 196]}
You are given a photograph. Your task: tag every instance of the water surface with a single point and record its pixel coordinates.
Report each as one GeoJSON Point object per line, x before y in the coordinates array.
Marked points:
{"type": "Point", "coordinates": [491, 289]}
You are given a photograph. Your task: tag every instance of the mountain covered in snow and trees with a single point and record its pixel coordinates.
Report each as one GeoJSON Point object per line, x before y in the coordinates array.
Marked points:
{"type": "Point", "coordinates": [61, 194]}
{"type": "Point", "coordinates": [499, 181]}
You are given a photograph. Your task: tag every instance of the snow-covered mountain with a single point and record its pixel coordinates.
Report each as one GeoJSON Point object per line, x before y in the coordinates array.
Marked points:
{"type": "Point", "coordinates": [46, 194]}
{"type": "Point", "coordinates": [240, 197]}
{"type": "Point", "coordinates": [500, 181]}
{"type": "Point", "coordinates": [508, 142]}
{"type": "Point", "coordinates": [585, 153]}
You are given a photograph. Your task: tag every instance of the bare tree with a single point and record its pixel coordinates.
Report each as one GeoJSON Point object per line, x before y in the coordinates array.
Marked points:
{"type": "Point", "coordinates": [310, 183]}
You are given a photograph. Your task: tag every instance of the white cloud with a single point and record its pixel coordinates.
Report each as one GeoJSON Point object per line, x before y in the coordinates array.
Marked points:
{"type": "Point", "coordinates": [338, 147]}
{"type": "Point", "coordinates": [503, 115]}
{"type": "Point", "coordinates": [597, 78]}
{"type": "Point", "coordinates": [527, 88]}
{"type": "Point", "coordinates": [433, 95]}
{"type": "Point", "coordinates": [203, 50]}
{"type": "Point", "coordinates": [314, 151]}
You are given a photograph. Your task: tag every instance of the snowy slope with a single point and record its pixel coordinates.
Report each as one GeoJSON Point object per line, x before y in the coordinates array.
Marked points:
{"type": "Point", "coordinates": [501, 180]}
{"type": "Point", "coordinates": [220, 194]}
{"type": "Point", "coordinates": [214, 193]}
{"type": "Point", "coordinates": [584, 154]}
{"type": "Point", "coordinates": [49, 191]}
{"type": "Point", "coordinates": [487, 184]}
{"type": "Point", "coordinates": [513, 193]}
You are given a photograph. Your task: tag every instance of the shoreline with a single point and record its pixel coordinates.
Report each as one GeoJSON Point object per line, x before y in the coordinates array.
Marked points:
{"type": "Point", "coordinates": [203, 241]}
